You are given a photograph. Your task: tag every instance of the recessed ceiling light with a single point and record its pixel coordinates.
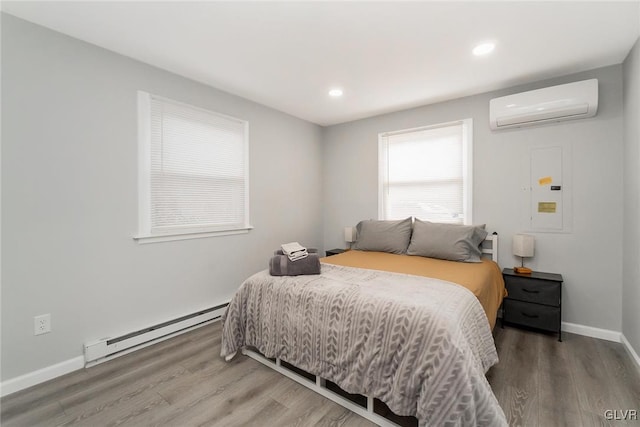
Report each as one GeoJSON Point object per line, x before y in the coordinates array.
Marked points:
{"type": "Point", "coordinates": [483, 48]}
{"type": "Point", "coordinates": [335, 93]}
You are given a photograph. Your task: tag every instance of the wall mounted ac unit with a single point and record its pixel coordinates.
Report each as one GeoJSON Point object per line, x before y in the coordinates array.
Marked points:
{"type": "Point", "coordinates": [570, 101]}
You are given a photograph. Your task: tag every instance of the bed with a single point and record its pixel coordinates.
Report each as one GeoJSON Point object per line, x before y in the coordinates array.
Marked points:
{"type": "Point", "coordinates": [388, 326]}
{"type": "Point", "coordinates": [483, 279]}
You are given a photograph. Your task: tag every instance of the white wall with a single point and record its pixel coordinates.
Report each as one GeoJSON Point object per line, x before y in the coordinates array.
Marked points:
{"type": "Point", "coordinates": [69, 199]}
{"type": "Point", "coordinates": [589, 258]}
{"type": "Point", "coordinates": [631, 260]}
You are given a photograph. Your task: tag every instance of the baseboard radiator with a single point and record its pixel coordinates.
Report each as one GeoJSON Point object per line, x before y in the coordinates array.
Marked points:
{"type": "Point", "coordinates": [108, 348]}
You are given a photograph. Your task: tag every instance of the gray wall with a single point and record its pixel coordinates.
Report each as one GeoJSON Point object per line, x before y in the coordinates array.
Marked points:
{"type": "Point", "coordinates": [69, 189]}
{"type": "Point", "coordinates": [589, 258]}
{"type": "Point", "coordinates": [631, 244]}
{"type": "Point", "coordinates": [69, 195]}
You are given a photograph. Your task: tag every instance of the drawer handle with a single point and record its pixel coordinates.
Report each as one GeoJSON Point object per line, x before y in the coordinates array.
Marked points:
{"type": "Point", "coordinates": [530, 291]}
{"type": "Point", "coordinates": [531, 316]}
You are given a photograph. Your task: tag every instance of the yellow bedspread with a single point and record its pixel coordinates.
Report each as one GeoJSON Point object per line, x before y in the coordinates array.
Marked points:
{"type": "Point", "coordinates": [484, 279]}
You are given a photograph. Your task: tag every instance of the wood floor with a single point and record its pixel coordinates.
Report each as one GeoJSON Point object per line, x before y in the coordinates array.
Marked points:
{"type": "Point", "coordinates": [183, 382]}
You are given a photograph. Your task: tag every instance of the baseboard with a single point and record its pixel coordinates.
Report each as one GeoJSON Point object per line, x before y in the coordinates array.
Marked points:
{"type": "Point", "coordinates": [604, 334]}
{"type": "Point", "coordinates": [590, 331]}
{"type": "Point", "coordinates": [45, 374]}
{"type": "Point", "coordinates": [631, 351]}
{"type": "Point", "coordinates": [148, 343]}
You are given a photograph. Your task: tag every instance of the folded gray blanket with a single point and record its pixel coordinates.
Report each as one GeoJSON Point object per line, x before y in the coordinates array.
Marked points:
{"type": "Point", "coordinates": [281, 265]}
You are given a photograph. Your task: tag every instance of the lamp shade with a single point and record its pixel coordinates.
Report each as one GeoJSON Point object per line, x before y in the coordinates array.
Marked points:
{"type": "Point", "coordinates": [523, 245]}
{"type": "Point", "coordinates": [350, 234]}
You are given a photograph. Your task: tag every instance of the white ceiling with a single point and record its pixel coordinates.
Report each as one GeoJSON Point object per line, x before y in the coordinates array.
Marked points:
{"type": "Point", "coordinates": [387, 56]}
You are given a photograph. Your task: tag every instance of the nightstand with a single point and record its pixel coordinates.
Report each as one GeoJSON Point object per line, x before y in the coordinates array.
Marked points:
{"type": "Point", "coordinates": [534, 300]}
{"type": "Point", "coordinates": [331, 252]}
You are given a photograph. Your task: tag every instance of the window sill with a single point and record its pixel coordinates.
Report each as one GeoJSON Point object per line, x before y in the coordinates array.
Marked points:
{"type": "Point", "coordinates": [170, 237]}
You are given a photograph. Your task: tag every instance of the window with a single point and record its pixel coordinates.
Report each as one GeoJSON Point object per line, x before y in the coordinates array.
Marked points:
{"type": "Point", "coordinates": [193, 171]}
{"type": "Point", "coordinates": [426, 173]}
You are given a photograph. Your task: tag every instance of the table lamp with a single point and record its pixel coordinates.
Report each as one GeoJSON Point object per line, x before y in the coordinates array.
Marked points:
{"type": "Point", "coordinates": [349, 235]}
{"type": "Point", "coordinates": [523, 246]}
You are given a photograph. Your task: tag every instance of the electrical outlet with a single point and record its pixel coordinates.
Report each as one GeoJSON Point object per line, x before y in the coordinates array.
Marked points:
{"type": "Point", "coordinates": [42, 324]}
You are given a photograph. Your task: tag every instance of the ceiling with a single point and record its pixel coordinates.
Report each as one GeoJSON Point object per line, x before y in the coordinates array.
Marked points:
{"type": "Point", "coordinates": [386, 56]}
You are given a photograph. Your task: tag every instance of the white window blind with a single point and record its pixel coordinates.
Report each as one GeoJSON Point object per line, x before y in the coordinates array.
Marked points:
{"type": "Point", "coordinates": [194, 169]}
{"type": "Point", "coordinates": [426, 173]}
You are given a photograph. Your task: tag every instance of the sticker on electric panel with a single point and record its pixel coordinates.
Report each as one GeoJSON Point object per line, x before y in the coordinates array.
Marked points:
{"type": "Point", "coordinates": [546, 180]}
{"type": "Point", "coordinates": [547, 207]}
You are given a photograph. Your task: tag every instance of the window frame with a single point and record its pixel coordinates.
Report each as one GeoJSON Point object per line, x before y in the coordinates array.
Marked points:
{"type": "Point", "coordinates": [467, 164]}
{"type": "Point", "coordinates": [145, 232]}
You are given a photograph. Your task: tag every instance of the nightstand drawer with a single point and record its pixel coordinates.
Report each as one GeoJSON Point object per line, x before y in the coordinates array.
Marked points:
{"type": "Point", "coordinates": [533, 315]}
{"type": "Point", "coordinates": [534, 290]}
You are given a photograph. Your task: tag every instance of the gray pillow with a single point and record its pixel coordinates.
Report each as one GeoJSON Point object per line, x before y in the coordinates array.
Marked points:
{"type": "Point", "coordinates": [447, 241]}
{"type": "Point", "coordinates": [383, 236]}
